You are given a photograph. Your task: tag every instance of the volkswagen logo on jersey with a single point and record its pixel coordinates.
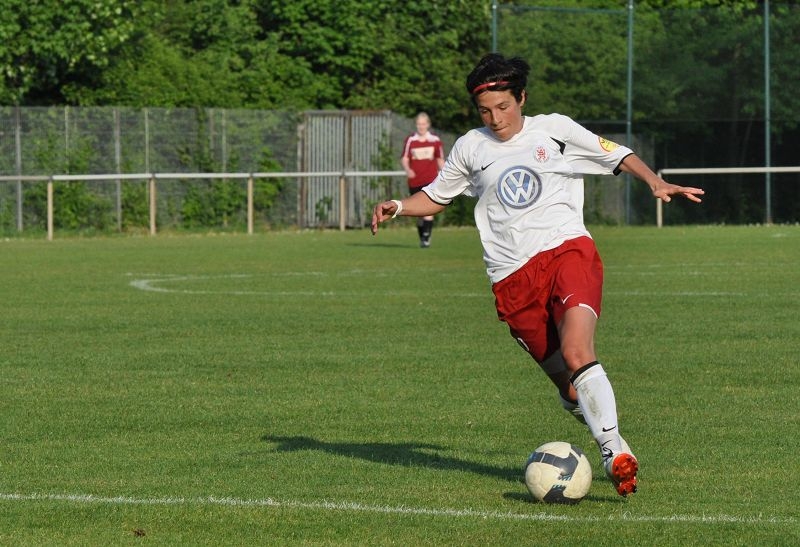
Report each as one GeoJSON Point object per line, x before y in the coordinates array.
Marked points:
{"type": "Point", "coordinates": [519, 187]}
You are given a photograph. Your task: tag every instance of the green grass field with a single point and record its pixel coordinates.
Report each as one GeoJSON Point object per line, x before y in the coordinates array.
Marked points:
{"type": "Point", "coordinates": [343, 389]}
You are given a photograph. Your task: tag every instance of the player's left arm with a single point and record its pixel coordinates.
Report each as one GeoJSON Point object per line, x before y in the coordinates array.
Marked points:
{"type": "Point", "coordinates": [661, 189]}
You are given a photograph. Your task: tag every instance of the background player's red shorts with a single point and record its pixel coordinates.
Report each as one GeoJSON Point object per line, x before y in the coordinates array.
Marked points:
{"type": "Point", "coordinates": [532, 300]}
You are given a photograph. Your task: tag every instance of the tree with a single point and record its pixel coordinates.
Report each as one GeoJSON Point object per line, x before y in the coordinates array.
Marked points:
{"type": "Point", "coordinates": [50, 50]}
{"type": "Point", "coordinates": [306, 54]}
{"type": "Point", "coordinates": [402, 56]}
{"type": "Point", "coordinates": [580, 77]}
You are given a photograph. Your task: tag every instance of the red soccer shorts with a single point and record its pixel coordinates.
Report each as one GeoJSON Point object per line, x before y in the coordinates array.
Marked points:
{"type": "Point", "coordinates": [532, 300]}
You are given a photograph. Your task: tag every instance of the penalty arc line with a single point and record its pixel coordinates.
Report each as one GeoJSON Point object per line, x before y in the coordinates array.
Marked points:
{"type": "Point", "coordinates": [156, 284]}
{"type": "Point", "coordinates": [394, 510]}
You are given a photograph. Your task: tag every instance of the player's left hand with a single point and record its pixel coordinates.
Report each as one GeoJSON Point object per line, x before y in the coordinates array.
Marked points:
{"type": "Point", "coordinates": [667, 190]}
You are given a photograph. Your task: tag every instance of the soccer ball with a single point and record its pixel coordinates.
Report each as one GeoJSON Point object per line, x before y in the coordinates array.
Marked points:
{"type": "Point", "coordinates": [558, 472]}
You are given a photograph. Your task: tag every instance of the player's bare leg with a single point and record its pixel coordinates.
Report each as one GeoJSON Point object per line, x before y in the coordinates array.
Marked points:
{"type": "Point", "coordinates": [596, 396]}
{"type": "Point", "coordinates": [556, 370]}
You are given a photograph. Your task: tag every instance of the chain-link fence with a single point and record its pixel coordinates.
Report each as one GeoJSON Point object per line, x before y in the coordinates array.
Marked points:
{"type": "Point", "coordinates": [50, 142]}
{"type": "Point", "coordinates": [62, 141]}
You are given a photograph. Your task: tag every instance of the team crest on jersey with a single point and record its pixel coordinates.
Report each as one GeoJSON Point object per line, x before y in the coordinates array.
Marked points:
{"type": "Point", "coordinates": [607, 145]}
{"type": "Point", "coordinates": [519, 187]}
{"type": "Point", "coordinates": [540, 154]}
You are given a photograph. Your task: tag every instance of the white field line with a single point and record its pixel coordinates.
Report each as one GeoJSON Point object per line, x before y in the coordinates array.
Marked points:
{"type": "Point", "coordinates": [155, 283]}
{"type": "Point", "coordinates": [674, 293]}
{"type": "Point", "coordinates": [160, 284]}
{"type": "Point", "coordinates": [626, 516]}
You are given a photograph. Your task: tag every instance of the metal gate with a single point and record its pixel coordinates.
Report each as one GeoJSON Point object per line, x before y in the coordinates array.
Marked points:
{"type": "Point", "coordinates": [339, 141]}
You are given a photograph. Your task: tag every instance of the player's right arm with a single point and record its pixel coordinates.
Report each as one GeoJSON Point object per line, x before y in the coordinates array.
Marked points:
{"type": "Point", "coordinates": [451, 181]}
{"type": "Point", "coordinates": [417, 205]}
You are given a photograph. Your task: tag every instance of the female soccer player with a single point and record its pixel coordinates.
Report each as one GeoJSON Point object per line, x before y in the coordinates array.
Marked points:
{"type": "Point", "coordinates": [423, 157]}
{"type": "Point", "coordinates": [526, 173]}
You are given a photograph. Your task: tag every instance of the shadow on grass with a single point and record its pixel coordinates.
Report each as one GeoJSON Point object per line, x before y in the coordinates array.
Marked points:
{"type": "Point", "coordinates": [525, 497]}
{"type": "Point", "coordinates": [404, 454]}
{"type": "Point", "coordinates": [379, 244]}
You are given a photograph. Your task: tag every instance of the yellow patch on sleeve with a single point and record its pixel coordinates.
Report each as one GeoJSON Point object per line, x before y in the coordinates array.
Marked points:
{"type": "Point", "coordinates": [607, 145]}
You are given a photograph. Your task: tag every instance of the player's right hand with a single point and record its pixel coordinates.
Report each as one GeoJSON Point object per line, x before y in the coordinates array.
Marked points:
{"type": "Point", "coordinates": [382, 212]}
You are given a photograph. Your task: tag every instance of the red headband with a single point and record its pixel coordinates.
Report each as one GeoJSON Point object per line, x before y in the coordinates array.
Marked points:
{"type": "Point", "coordinates": [487, 85]}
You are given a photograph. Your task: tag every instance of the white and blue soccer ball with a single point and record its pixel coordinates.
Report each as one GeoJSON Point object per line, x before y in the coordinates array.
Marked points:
{"type": "Point", "coordinates": [558, 472]}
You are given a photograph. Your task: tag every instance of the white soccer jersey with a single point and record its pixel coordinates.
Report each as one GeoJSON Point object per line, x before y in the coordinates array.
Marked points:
{"type": "Point", "coordinates": [529, 188]}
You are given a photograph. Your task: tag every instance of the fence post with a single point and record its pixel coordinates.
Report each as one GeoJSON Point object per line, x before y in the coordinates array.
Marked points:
{"type": "Point", "coordinates": [50, 209]}
{"type": "Point", "coordinates": [659, 208]}
{"type": "Point", "coordinates": [342, 203]}
{"type": "Point", "coordinates": [152, 205]}
{"type": "Point", "coordinates": [118, 165]}
{"type": "Point", "coordinates": [250, 204]}
{"type": "Point", "coordinates": [18, 163]}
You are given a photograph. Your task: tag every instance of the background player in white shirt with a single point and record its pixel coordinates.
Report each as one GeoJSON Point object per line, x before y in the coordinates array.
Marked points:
{"type": "Point", "coordinates": [526, 173]}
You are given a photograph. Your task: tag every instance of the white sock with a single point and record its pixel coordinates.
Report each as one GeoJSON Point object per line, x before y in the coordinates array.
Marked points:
{"type": "Point", "coordinates": [596, 399]}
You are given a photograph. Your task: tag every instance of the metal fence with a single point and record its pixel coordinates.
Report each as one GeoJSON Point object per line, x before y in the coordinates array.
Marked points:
{"type": "Point", "coordinates": [310, 169]}
{"type": "Point", "coordinates": [97, 140]}
{"type": "Point", "coordinates": [160, 210]}
{"type": "Point", "coordinates": [344, 140]}
{"type": "Point", "coordinates": [45, 142]}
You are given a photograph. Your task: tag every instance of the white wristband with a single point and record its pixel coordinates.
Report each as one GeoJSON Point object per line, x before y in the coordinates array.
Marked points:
{"type": "Point", "coordinates": [399, 207]}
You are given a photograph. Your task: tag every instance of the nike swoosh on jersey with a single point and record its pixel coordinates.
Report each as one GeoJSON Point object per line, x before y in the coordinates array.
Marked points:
{"type": "Point", "coordinates": [485, 167]}
{"type": "Point", "coordinates": [564, 300]}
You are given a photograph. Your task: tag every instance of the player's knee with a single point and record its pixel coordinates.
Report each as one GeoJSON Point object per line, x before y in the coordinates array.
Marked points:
{"type": "Point", "coordinates": [576, 357]}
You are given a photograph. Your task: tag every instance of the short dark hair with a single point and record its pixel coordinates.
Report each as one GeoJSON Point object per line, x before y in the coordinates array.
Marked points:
{"type": "Point", "coordinates": [496, 73]}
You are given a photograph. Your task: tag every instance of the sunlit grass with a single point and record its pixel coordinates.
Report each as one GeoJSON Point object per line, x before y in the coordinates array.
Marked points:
{"type": "Point", "coordinates": [341, 388]}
